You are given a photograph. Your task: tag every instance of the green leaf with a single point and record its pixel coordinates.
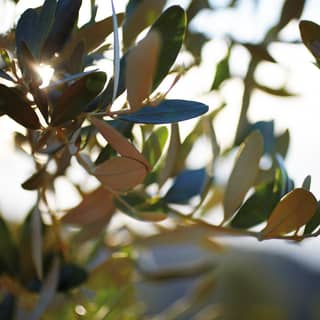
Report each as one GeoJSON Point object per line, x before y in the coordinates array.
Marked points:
{"type": "Point", "coordinates": [171, 26]}
{"type": "Point", "coordinates": [66, 16]}
{"type": "Point", "coordinates": [266, 128]}
{"type": "Point", "coordinates": [16, 106]}
{"type": "Point", "coordinates": [259, 51]}
{"type": "Point", "coordinates": [307, 183]}
{"type": "Point", "coordinates": [71, 276]}
{"type": "Point", "coordinates": [280, 92]}
{"type": "Point", "coordinates": [257, 208]}
{"type": "Point", "coordinates": [310, 34]}
{"type": "Point", "coordinates": [188, 184]}
{"type": "Point", "coordinates": [139, 15]}
{"type": "Point", "coordinates": [283, 183]}
{"type": "Point", "coordinates": [153, 147]}
{"type": "Point", "coordinates": [222, 72]}
{"type": "Point", "coordinates": [244, 173]}
{"type": "Point", "coordinates": [76, 97]}
{"type": "Point", "coordinates": [282, 143]}
{"type": "Point", "coordinates": [313, 223]}
{"type": "Point", "coordinates": [292, 9]}
{"type": "Point", "coordinates": [167, 111]}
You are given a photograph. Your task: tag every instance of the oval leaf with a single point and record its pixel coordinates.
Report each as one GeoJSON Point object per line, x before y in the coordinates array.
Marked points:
{"type": "Point", "coordinates": [118, 142]}
{"type": "Point", "coordinates": [167, 111]}
{"type": "Point", "coordinates": [244, 173]}
{"type": "Point", "coordinates": [310, 34]}
{"type": "Point", "coordinates": [92, 208]}
{"type": "Point", "coordinates": [120, 174]}
{"type": "Point", "coordinates": [293, 211]}
{"type": "Point", "coordinates": [142, 63]}
{"type": "Point", "coordinates": [76, 97]}
{"type": "Point", "coordinates": [17, 107]}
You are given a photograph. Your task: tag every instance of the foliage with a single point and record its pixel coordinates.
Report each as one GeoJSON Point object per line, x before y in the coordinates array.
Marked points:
{"type": "Point", "coordinates": [71, 264]}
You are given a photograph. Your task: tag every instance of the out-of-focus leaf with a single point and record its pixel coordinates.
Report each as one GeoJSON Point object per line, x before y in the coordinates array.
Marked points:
{"type": "Point", "coordinates": [282, 143]}
{"type": "Point", "coordinates": [188, 183]}
{"type": "Point", "coordinates": [314, 222]}
{"type": "Point", "coordinates": [139, 15]}
{"type": "Point", "coordinates": [195, 7]}
{"type": "Point", "coordinates": [142, 62]}
{"type": "Point", "coordinates": [171, 26]}
{"type": "Point", "coordinates": [66, 15]}
{"type": "Point", "coordinates": [283, 183]}
{"type": "Point", "coordinates": [17, 107]}
{"type": "Point", "coordinates": [37, 180]}
{"type": "Point", "coordinates": [259, 51]}
{"type": "Point", "coordinates": [71, 276]}
{"type": "Point", "coordinates": [310, 34]}
{"type": "Point", "coordinates": [76, 97]}
{"type": "Point", "coordinates": [47, 292]}
{"type": "Point", "coordinates": [9, 257]}
{"type": "Point", "coordinates": [167, 111]}
{"type": "Point", "coordinates": [266, 128]}
{"type": "Point", "coordinates": [75, 61]}
{"type": "Point", "coordinates": [142, 208]}
{"type": "Point", "coordinates": [194, 42]}
{"type": "Point", "coordinates": [243, 174]}
{"type": "Point", "coordinates": [257, 208]}
{"type": "Point", "coordinates": [293, 211]}
{"type": "Point", "coordinates": [7, 306]}
{"type": "Point", "coordinates": [95, 205]}
{"type": "Point", "coordinates": [292, 9]}
{"type": "Point", "coordinates": [307, 183]}
{"type": "Point", "coordinates": [153, 147]}
{"type": "Point", "coordinates": [281, 92]}
{"type": "Point", "coordinates": [92, 35]}
{"type": "Point", "coordinates": [6, 76]}
{"type": "Point", "coordinates": [36, 241]}
{"type": "Point", "coordinates": [118, 142]}
{"type": "Point", "coordinates": [120, 174]}
{"type": "Point", "coordinates": [222, 72]}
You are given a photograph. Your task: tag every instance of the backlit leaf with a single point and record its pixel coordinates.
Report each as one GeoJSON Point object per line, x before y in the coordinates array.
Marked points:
{"type": "Point", "coordinates": [310, 34]}
{"type": "Point", "coordinates": [120, 174]}
{"type": "Point", "coordinates": [171, 26]}
{"type": "Point", "coordinates": [94, 206]}
{"type": "Point", "coordinates": [293, 211]}
{"type": "Point", "coordinates": [118, 142]}
{"type": "Point", "coordinates": [222, 72]}
{"type": "Point", "coordinates": [167, 111]}
{"type": "Point", "coordinates": [66, 16]}
{"type": "Point", "coordinates": [257, 207]}
{"type": "Point", "coordinates": [76, 97]}
{"type": "Point", "coordinates": [139, 15]}
{"type": "Point", "coordinates": [153, 147]}
{"type": "Point", "coordinates": [142, 61]}
{"type": "Point", "coordinates": [244, 173]}
{"type": "Point", "coordinates": [17, 107]}
{"type": "Point", "coordinates": [188, 183]}
{"type": "Point", "coordinates": [37, 180]}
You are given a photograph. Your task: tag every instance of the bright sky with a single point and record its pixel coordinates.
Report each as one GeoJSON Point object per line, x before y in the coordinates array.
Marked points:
{"type": "Point", "coordinates": [299, 114]}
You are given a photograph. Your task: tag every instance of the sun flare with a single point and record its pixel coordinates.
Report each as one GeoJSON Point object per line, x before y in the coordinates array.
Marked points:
{"type": "Point", "coordinates": [46, 73]}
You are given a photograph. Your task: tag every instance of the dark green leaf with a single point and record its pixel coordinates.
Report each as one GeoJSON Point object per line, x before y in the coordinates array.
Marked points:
{"type": "Point", "coordinates": [292, 9]}
{"type": "Point", "coordinates": [168, 111]}
{"type": "Point", "coordinates": [266, 129]}
{"type": "Point", "coordinates": [71, 276]}
{"type": "Point", "coordinates": [76, 97]}
{"type": "Point", "coordinates": [195, 7]}
{"type": "Point", "coordinates": [66, 16]}
{"type": "Point", "coordinates": [259, 51]}
{"type": "Point", "coordinates": [17, 107]}
{"type": "Point", "coordinates": [314, 222]}
{"type": "Point", "coordinates": [171, 26]}
{"type": "Point", "coordinates": [310, 34]}
{"type": "Point", "coordinates": [8, 250]}
{"type": "Point", "coordinates": [281, 92]}
{"type": "Point", "coordinates": [258, 207]}
{"type": "Point", "coordinates": [282, 143]}
{"type": "Point", "coordinates": [188, 183]}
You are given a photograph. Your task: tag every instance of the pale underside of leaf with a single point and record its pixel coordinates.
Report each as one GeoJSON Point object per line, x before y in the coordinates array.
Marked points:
{"type": "Point", "coordinates": [244, 173]}
{"type": "Point", "coordinates": [94, 206]}
{"type": "Point", "coordinates": [118, 142]}
{"type": "Point", "coordinates": [142, 61]}
{"type": "Point", "coordinates": [120, 174]}
{"type": "Point", "coordinates": [294, 210]}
